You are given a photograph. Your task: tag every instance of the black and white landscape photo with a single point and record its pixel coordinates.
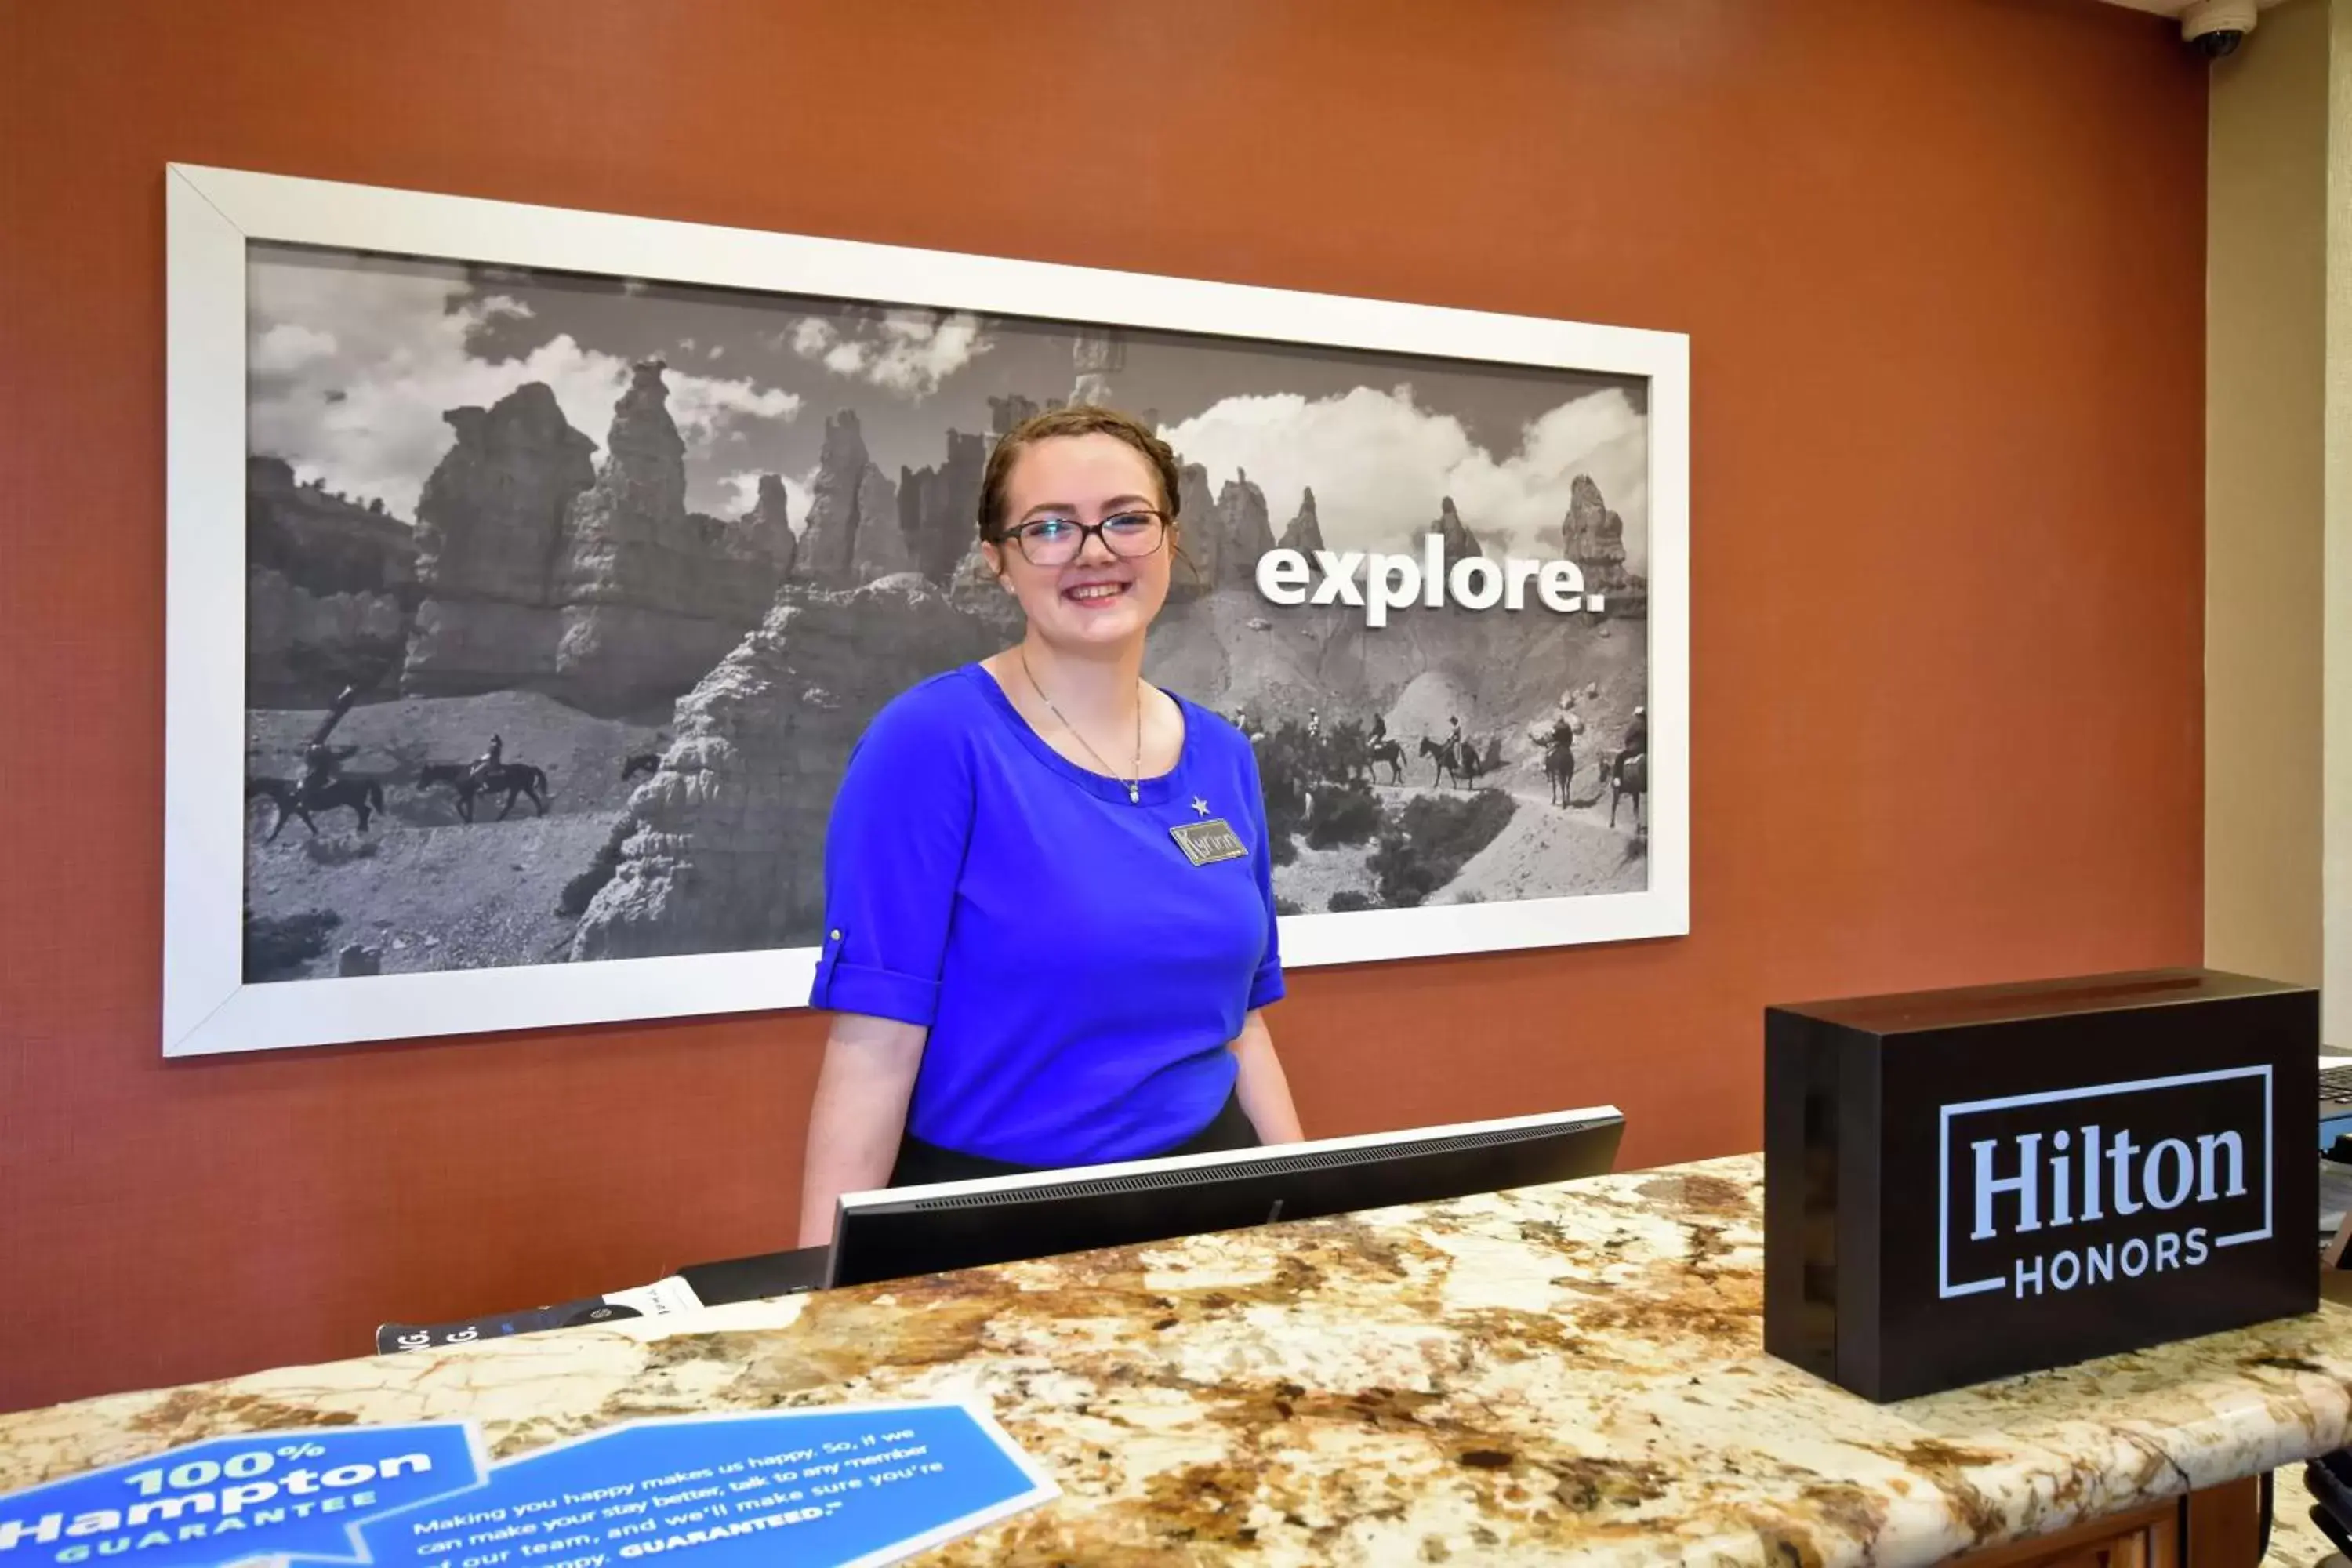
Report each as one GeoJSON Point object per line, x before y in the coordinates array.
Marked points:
{"type": "Point", "coordinates": [566, 597]}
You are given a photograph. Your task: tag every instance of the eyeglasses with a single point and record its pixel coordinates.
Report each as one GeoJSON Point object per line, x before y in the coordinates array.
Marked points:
{"type": "Point", "coordinates": [1057, 541]}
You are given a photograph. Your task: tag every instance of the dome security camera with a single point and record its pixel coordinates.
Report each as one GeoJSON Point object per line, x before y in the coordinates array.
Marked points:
{"type": "Point", "coordinates": [2216, 28]}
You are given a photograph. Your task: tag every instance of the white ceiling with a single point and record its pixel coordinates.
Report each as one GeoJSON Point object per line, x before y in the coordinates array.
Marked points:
{"type": "Point", "coordinates": [2174, 7]}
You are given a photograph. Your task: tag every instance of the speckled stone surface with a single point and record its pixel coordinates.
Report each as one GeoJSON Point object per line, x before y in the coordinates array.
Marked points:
{"type": "Point", "coordinates": [1571, 1373]}
{"type": "Point", "coordinates": [2295, 1542]}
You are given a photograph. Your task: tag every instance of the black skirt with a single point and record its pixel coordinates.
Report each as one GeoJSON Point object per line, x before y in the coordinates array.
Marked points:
{"type": "Point", "coordinates": [921, 1165]}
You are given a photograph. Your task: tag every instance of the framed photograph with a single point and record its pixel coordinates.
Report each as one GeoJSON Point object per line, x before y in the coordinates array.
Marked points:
{"type": "Point", "coordinates": [533, 572]}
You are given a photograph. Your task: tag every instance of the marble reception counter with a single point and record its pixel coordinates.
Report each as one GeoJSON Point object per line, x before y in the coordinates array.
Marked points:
{"type": "Point", "coordinates": [1560, 1373]}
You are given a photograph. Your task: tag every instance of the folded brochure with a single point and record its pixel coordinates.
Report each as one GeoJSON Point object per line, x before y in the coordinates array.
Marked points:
{"type": "Point", "coordinates": [848, 1486]}
{"type": "Point", "coordinates": [661, 1299]}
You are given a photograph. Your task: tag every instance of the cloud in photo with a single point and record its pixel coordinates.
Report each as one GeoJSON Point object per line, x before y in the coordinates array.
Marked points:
{"type": "Point", "coordinates": [906, 352]}
{"type": "Point", "coordinates": [287, 347]}
{"type": "Point", "coordinates": [1381, 466]}
{"type": "Point", "coordinates": [353, 367]}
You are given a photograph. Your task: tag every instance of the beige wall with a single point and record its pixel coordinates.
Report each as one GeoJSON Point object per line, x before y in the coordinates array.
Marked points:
{"type": "Point", "coordinates": [2264, 464]}
{"type": "Point", "coordinates": [2337, 1004]}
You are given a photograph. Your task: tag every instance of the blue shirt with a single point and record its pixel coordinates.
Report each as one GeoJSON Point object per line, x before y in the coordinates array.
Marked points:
{"type": "Point", "coordinates": [1080, 977]}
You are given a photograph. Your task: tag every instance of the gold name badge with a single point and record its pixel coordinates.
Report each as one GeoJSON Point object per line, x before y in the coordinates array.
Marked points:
{"type": "Point", "coordinates": [1204, 842]}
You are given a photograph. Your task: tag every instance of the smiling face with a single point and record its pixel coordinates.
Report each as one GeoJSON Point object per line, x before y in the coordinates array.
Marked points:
{"type": "Point", "coordinates": [1100, 597]}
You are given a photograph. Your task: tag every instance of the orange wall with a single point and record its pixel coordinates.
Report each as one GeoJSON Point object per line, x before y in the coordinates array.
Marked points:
{"type": "Point", "coordinates": [1941, 265]}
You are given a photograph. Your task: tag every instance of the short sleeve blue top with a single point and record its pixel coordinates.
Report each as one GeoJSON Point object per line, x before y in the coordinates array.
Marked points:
{"type": "Point", "coordinates": [1080, 976]}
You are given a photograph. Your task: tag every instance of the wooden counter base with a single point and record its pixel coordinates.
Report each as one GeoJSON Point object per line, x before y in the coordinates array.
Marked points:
{"type": "Point", "coordinates": [2217, 1527]}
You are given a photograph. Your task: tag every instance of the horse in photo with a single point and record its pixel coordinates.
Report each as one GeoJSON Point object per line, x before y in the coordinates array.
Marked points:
{"type": "Point", "coordinates": [1629, 775]}
{"type": "Point", "coordinates": [1560, 764]}
{"type": "Point", "coordinates": [363, 796]}
{"type": "Point", "coordinates": [515, 780]}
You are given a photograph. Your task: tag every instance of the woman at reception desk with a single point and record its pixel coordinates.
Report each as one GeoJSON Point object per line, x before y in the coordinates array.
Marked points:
{"type": "Point", "coordinates": [1050, 924]}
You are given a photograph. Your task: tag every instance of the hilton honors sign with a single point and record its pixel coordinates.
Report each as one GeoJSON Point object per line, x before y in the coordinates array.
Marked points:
{"type": "Point", "coordinates": [1963, 1185]}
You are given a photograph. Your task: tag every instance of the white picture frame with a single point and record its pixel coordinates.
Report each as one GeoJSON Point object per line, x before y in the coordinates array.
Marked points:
{"type": "Point", "coordinates": [212, 213]}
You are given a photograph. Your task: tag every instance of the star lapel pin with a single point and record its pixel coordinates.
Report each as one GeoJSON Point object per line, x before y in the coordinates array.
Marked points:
{"type": "Point", "coordinates": [1200, 807]}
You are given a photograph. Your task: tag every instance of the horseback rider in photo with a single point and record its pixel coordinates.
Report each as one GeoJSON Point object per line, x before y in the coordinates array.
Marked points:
{"type": "Point", "coordinates": [491, 774]}
{"type": "Point", "coordinates": [1380, 748]}
{"type": "Point", "coordinates": [488, 762]}
{"type": "Point", "coordinates": [322, 763]}
{"type": "Point", "coordinates": [1630, 775]}
{"type": "Point", "coordinates": [324, 786]}
{"type": "Point", "coordinates": [1558, 744]}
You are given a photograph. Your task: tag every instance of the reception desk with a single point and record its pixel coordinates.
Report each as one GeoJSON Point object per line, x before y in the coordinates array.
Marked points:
{"type": "Point", "coordinates": [1556, 1374]}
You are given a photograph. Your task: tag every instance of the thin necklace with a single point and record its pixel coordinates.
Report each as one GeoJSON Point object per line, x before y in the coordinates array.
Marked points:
{"type": "Point", "coordinates": [1134, 785]}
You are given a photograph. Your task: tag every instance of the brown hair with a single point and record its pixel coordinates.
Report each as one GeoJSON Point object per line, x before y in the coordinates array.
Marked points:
{"type": "Point", "coordinates": [1078, 419]}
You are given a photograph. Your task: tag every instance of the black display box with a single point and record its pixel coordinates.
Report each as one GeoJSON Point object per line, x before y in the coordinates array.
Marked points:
{"type": "Point", "coordinates": [1960, 1185]}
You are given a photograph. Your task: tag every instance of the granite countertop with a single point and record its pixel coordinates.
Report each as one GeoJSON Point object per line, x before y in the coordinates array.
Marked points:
{"type": "Point", "coordinates": [1561, 1373]}
{"type": "Point", "coordinates": [2295, 1542]}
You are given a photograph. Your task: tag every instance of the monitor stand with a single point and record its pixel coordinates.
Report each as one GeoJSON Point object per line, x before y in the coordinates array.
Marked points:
{"type": "Point", "coordinates": [757, 1278]}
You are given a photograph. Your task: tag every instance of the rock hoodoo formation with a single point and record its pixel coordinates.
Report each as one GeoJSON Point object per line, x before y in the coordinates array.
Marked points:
{"type": "Point", "coordinates": [766, 530]}
{"type": "Point", "coordinates": [1243, 531]}
{"type": "Point", "coordinates": [1007, 412]}
{"type": "Point", "coordinates": [723, 849]}
{"type": "Point", "coordinates": [939, 507]}
{"type": "Point", "coordinates": [1459, 543]}
{"type": "Point", "coordinates": [1305, 532]}
{"type": "Point", "coordinates": [490, 526]}
{"type": "Point", "coordinates": [1201, 533]}
{"type": "Point", "coordinates": [1097, 355]}
{"type": "Point", "coordinates": [538, 570]}
{"type": "Point", "coordinates": [853, 533]}
{"type": "Point", "coordinates": [1594, 538]}
{"type": "Point", "coordinates": [881, 542]}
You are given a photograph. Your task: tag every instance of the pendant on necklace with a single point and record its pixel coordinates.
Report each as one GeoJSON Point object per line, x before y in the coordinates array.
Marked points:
{"type": "Point", "coordinates": [1135, 795]}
